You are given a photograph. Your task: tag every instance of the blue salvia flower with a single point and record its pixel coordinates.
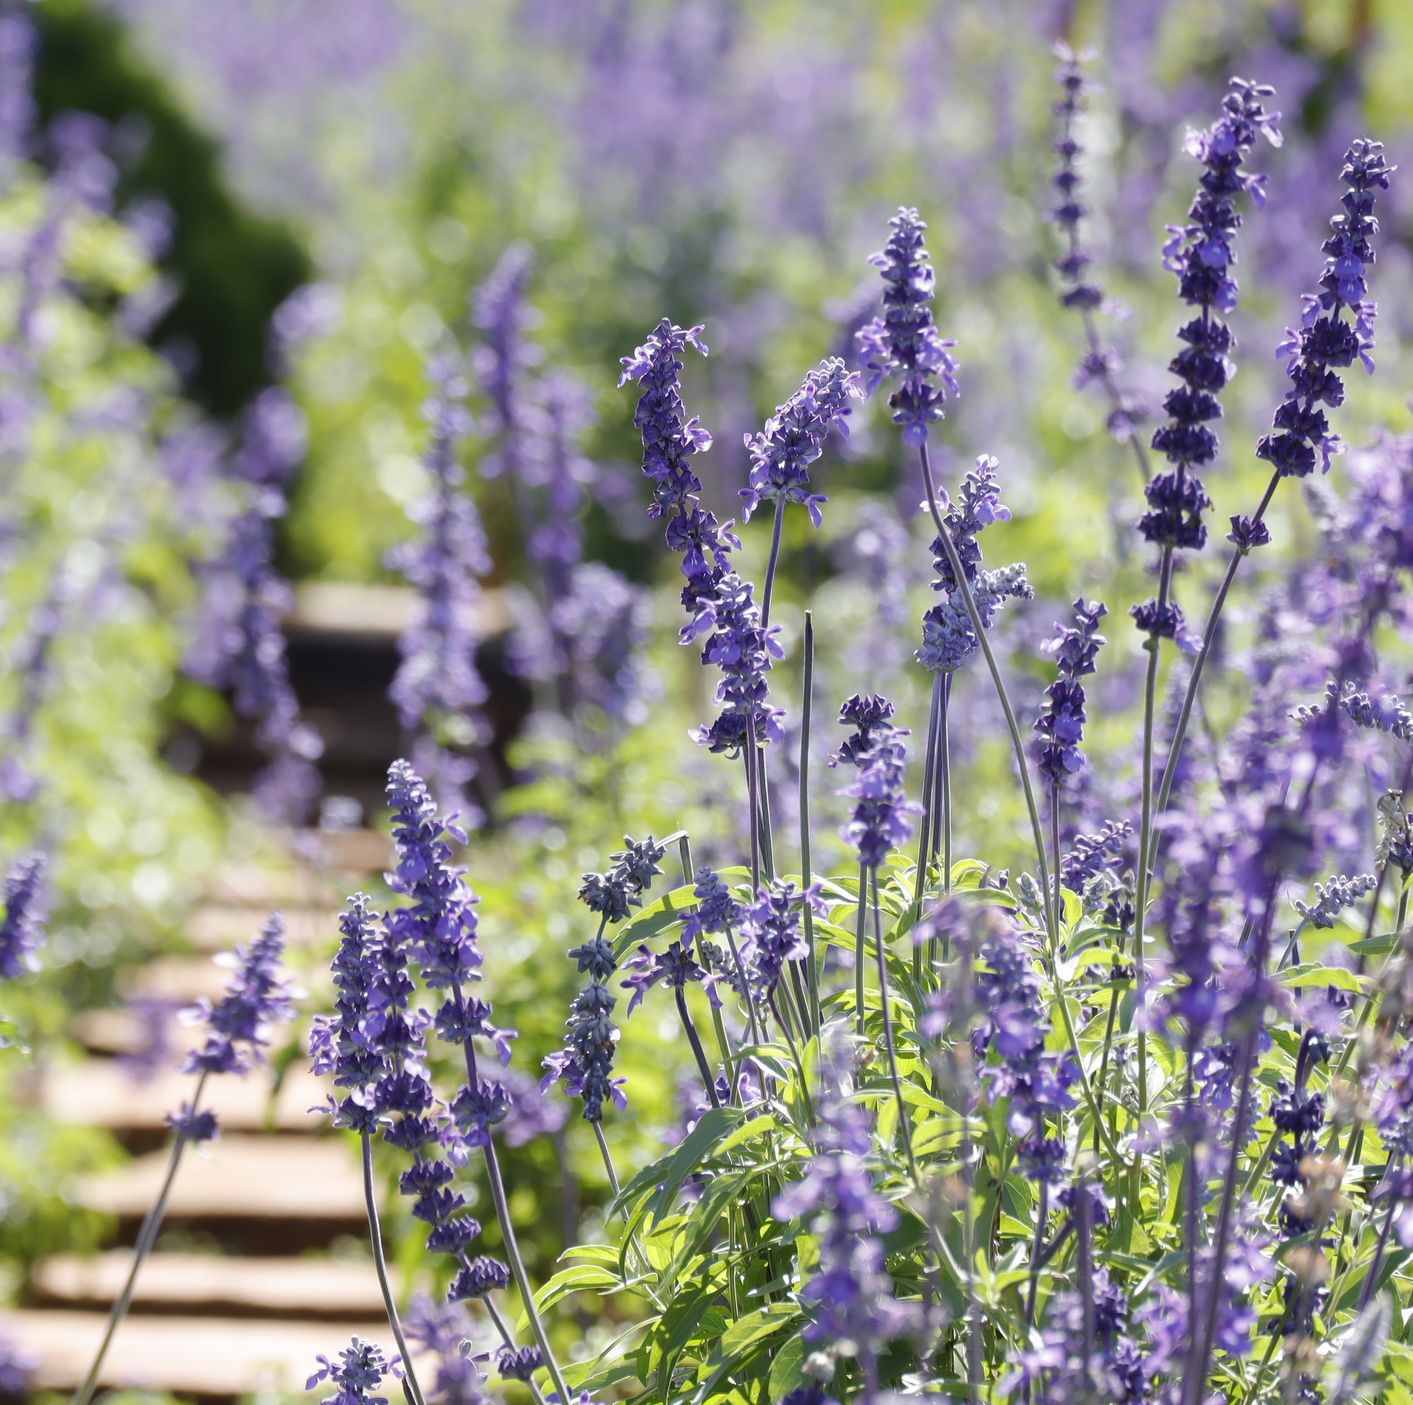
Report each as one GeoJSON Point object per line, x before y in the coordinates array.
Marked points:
{"type": "Point", "coordinates": [443, 1330]}
{"type": "Point", "coordinates": [1061, 725]}
{"type": "Point", "coordinates": [716, 910]}
{"type": "Point", "coordinates": [721, 604]}
{"type": "Point", "coordinates": [772, 932]}
{"type": "Point", "coordinates": [359, 1371]}
{"type": "Point", "coordinates": [1325, 343]}
{"type": "Point", "coordinates": [868, 716]}
{"type": "Point", "coordinates": [1034, 1080]}
{"type": "Point", "coordinates": [1333, 897]}
{"type": "Point", "coordinates": [584, 1067]}
{"type": "Point", "coordinates": [880, 821]}
{"type": "Point", "coordinates": [676, 967]}
{"type": "Point", "coordinates": [1081, 292]}
{"type": "Point", "coordinates": [849, 1297]}
{"type": "Point", "coordinates": [499, 309]}
{"type": "Point", "coordinates": [738, 645]}
{"type": "Point", "coordinates": [22, 929]}
{"type": "Point", "coordinates": [238, 643]}
{"type": "Point", "coordinates": [31, 663]}
{"type": "Point", "coordinates": [518, 1363]}
{"type": "Point", "coordinates": [903, 342]}
{"type": "Point", "coordinates": [793, 438]}
{"type": "Point", "coordinates": [437, 690]}
{"type": "Point", "coordinates": [948, 638]}
{"type": "Point", "coordinates": [258, 997]}
{"type": "Point", "coordinates": [1202, 255]}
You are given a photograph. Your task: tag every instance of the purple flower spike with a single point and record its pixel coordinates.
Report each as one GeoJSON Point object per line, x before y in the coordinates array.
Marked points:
{"type": "Point", "coordinates": [1325, 343]}
{"type": "Point", "coordinates": [22, 930]}
{"type": "Point", "coordinates": [880, 821]}
{"type": "Point", "coordinates": [1061, 726]}
{"type": "Point", "coordinates": [793, 438]}
{"type": "Point", "coordinates": [903, 342]}
{"type": "Point", "coordinates": [358, 1372]}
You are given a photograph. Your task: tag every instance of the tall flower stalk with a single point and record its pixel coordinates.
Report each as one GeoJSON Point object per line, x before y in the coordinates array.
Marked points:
{"type": "Point", "coordinates": [238, 1030]}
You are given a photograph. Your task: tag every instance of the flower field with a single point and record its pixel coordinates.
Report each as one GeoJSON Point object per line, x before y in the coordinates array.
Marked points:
{"type": "Point", "coordinates": [901, 894]}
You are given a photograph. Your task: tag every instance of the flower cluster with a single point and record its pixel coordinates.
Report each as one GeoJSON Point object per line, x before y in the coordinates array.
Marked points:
{"type": "Point", "coordinates": [770, 928]}
{"type": "Point", "coordinates": [721, 604]}
{"type": "Point", "coordinates": [793, 438]}
{"type": "Point", "coordinates": [437, 690]}
{"type": "Point", "coordinates": [22, 928]}
{"type": "Point", "coordinates": [584, 1067]}
{"type": "Point", "coordinates": [849, 1297]}
{"type": "Point", "coordinates": [238, 643]}
{"type": "Point", "coordinates": [1035, 1080]}
{"type": "Point", "coordinates": [359, 1371]}
{"type": "Point", "coordinates": [1325, 343]}
{"type": "Point", "coordinates": [1061, 726]}
{"type": "Point", "coordinates": [1333, 897]}
{"type": "Point", "coordinates": [868, 716]}
{"type": "Point", "coordinates": [1202, 254]}
{"type": "Point", "coordinates": [904, 342]}
{"type": "Point", "coordinates": [880, 821]}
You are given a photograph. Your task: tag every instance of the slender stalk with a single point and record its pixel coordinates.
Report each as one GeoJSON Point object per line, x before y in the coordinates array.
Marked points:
{"type": "Point", "coordinates": [1209, 634]}
{"type": "Point", "coordinates": [768, 590]}
{"type": "Point", "coordinates": [924, 831]}
{"type": "Point", "coordinates": [750, 757]}
{"type": "Point", "coordinates": [944, 781]}
{"type": "Point", "coordinates": [1032, 1292]}
{"type": "Point", "coordinates": [708, 1082]}
{"type": "Point", "coordinates": [146, 1237]}
{"type": "Point", "coordinates": [806, 872]}
{"type": "Point", "coordinates": [888, 1044]}
{"type": "Point", "coordinates": [1111, 389]}
{"type": "Point", "coordinates": [969, 599]}
{"type": "Point", "coordinates": [1376, 1264]}
{"type": "Point", "coordinates": [508, 1236]}
{"type": "Point", "coordinates": [859, 951]}
{"type": "Point", "coordinates": [599, 1137]}
{"type": "Point", "coordinates": [370, 1201]}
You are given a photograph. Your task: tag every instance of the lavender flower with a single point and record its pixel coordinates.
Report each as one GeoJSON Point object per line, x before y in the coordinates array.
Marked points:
{"type": "Point", "coordinates": [721, 604]}
{"type": "Point", "coordinates": [22, 929]}
{"type": "Point", "coordinates": [1061, 725]}
{"type": "Point", "coordinates": [238, 643]}
{"type": "Point", "coordinates": [948, 638]}
{"type": "Point", "coordinates": [1333, 897]}
{"type": "Point", "coordinates": [880, 821]}
{"type": "Point", "coordinates": [1202, 255]}
{"type": "Point", "coordinates": [716, 910]}
{"type": "Point", "coordinates": [499, 310]}
{"type": "Point", "coordinates": [584, 1067]}
{"type": "Point", "coordinates": [258, 997]}
{"type": "Point", "coordinates": [441, 1330]}
{"type": "Point", "coordinates": [1101, 362]}
{"type": "Point", "coordinates": [793, 438]}
{"type": "Point", "coordinates": [903, 342]}
{"type": "Point", "coordinates": [772, 933]}
{"type": "Point", "coordinates": [849, 1298]}
{"type": "Point", "coordinates": [518, 1363]}
{"type": "Point", "coordinates": [868, 716]}
{"type": "Point", "coordinates": [437, 690]}
{"type": "Point", "coordinates": [358, 1372]}
{"type": "Point", "coordinates": [1325, 343]}
{"type": "Point", "coordinates": [675, 967]}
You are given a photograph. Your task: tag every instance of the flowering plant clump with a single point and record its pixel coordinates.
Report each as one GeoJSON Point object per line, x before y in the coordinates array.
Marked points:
{"type": "Point", "coordinates": [1120, 1114]}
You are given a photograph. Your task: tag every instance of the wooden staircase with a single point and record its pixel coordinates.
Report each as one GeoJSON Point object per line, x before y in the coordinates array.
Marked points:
{"type": "Point", "coordinates": [263, 1262]}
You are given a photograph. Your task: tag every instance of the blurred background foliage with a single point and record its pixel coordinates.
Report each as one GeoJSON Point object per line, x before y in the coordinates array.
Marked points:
{"type": "Point", "coordinates": [716, 161]}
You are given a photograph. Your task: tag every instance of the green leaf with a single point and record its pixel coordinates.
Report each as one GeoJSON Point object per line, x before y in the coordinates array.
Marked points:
{"type": "Point", "coordinates": [670, 1171]}
{"type": "Point", "coordinates": [787, 1369]}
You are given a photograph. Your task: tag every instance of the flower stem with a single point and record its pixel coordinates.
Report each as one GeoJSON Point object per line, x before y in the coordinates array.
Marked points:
{"type": "Point", "coordinates": [370, 1200]}
{"type": "Point", "coordinates": [888, 1045]}
{"type": "Point", "coordinates": [768, 589]}
{"type": "Point", "coordinates": [146, 1237]}
{"type": "Point", "coordinates": [806, 873]}
{"type": "Point", "coordinates": [859, 951]}
{"type": "Point", "coordinates": [708, 1082]}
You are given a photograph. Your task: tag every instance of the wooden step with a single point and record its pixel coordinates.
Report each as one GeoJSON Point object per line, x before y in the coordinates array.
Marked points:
{"type": "Point", "coordinates": [212, 1358]}
{"type": "Point", "coordinates": [189, 978]}
{"type": "Point", "coordinates": [102, 1093]}
{"type": "Point", "coordinates": [223, 926]}
{"type": "Point", "coordinates": [212, 1284]}
{"type": "Point", "coordinates": [256, 1194]}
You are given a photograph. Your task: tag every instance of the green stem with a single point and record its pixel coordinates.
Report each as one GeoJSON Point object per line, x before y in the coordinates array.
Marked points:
{"type": "Point", "coordinates": [380, 1263]}
{"type": "Point", "coordinates": [806, 872]}
{"type": "Point", "coordinates": [888, 1044]}
{"type": "Point", "coordinates": [859, 951]}
{"type": "Point", "coordinates": [146, 1237]}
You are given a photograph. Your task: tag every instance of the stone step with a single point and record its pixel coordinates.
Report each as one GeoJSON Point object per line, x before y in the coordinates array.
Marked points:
{"type": "Point", "coordinates": [255, 1194]}
{"type": "Point", "coordinates": [216, 1285]}
{"type": "Point", "coordinates": [209, 1358]}
{"type": "Point", "coordinates": [103, 1093]}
